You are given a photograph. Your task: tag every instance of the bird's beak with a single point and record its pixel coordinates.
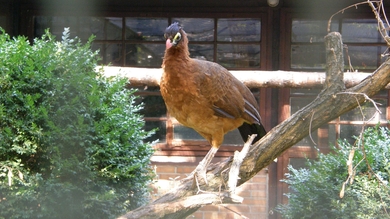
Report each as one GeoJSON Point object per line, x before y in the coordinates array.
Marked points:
{"type": "Point", "coordinates": [168, 44]}
{"type": "Point", "coordinates": [176, 39]}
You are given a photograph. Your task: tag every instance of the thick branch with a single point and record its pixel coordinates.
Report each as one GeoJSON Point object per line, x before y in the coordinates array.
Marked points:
{"type": "Point", "coordinates": [169, 209]}
{"type": "Point", "coordinates": [334, 62]}
{"type": "Point", "coordinates": [330, 103]}
{"type": "Point", "coordinates": [252, 79]}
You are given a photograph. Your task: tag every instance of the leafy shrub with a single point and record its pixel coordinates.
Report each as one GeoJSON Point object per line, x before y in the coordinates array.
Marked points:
{"type": "Point", "coordinates": [71, 141]}
{"type": "Point", "coordinates": [316, 190]}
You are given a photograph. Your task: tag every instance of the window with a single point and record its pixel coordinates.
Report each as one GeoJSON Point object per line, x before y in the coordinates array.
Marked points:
{"type": "Point", "coordinates": [305, 51]}
{"type": "Point", "coordinates": [363, 43]}
{"type": "Point", "coordinates": [233, 42]}
{"type": "Point", "coordinates": [363, 49]}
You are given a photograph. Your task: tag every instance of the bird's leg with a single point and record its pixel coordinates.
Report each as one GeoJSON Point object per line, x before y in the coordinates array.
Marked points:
{"type": "Point", "coordinates": [201, 169]}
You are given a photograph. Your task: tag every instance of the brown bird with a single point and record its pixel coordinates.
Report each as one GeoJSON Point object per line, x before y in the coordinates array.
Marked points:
{"type": "Point", "coordinates": [205, 96]}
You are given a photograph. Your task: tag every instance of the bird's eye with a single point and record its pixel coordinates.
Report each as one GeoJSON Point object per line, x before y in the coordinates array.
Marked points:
{"type": "Point", "coordinates": [177, 37]}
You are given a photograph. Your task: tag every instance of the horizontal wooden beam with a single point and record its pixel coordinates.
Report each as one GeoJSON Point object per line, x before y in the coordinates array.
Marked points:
{"type": "Point", "coordinates": [273, 79]}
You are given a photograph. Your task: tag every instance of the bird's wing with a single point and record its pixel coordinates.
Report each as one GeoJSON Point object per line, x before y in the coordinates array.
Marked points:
{"type": "Point", "coordinates": [227, 95]}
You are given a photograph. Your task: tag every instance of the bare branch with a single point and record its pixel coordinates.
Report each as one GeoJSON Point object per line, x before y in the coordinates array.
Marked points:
{"type": "Point", "coordinates": [382, 29]}
{"type": "Point", "coordinates": [235, 167]}
{"type": "Point", "coordinates": [365, 97]}
{"type": "Point", "coordinates": [342, 11]}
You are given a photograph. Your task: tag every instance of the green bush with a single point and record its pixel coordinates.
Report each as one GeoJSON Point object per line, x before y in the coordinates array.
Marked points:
{"type": "Point", "coordinates": [71, 141]}
{"type": "Point", "coordinates": [315, 191]}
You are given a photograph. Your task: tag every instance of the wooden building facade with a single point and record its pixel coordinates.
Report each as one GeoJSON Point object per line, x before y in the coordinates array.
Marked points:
{"type": "Point", "coordinates": [240, 35]}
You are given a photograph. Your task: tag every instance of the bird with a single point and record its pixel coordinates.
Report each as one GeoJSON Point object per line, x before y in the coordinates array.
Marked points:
{"type": "Point", "coordinates": [205, 96]}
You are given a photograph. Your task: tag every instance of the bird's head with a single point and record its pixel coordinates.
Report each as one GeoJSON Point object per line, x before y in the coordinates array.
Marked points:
{"type": "Point", "coordinates": [173, 35]}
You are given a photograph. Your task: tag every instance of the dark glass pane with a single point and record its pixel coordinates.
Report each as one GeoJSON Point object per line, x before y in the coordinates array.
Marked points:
{"type": "Point", "coordinates": [154, 106]}
{"type": "Point", "coordinates": [160, 133]}
{"type": "Point", "coordinates": [144, 55]}
{"type": "Point", "coordinates": [99, 47]}
{"type": "Point", "coordinates": [297, 103]}
{"type": "Point", "coordinates": [368, 111]}
{"type": "Point", "coordinates": [332, 135]}
{"type": "Point", "coordinates": [308, 56]}
{"type": "Point", "coordinates": [56, 25]}
{"type": "Point", "coordinates": [104, 28]}
{"type": "Point", "coordinates": [197, 29]}
{"type": "Point", "coordinates": [239, 29]}
{"type": "Point", "coordinates": [348, 131]}
{"type": "Point", "coordinates": [309, 31]}
{"type": "Point", "coordinates": [146, 29]}
{"type": "Point", "coordinates": [233, 138]}
{"type": "Point", "coordinates": [309, 141]}
{"type": "Point", "coordinates": [185, 133]}
{"type": "Point", "coordinates": [3, 22]}
{"type": "Point", "coordinates": [202, 51]}
{"type": "Point", "coordinates": [364, 57]}
{"type": "Point", "coordinates": [238, 56]}
{"type": "Point", "coordinates": [298, 163]}
{"type": "Point", "coordinates": [361, 30]}
{"type": "Point", "coordinates": [109, 53]}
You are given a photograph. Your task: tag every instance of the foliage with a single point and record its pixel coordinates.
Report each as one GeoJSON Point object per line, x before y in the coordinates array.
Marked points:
{"type": "Point", "coordinates": [71, 141]}
{"type": "Point", "coordinates": [315, 191]}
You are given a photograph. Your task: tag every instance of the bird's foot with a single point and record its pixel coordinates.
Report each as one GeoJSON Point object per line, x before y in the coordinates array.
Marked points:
{"type": "Point", "coordinates": [198, 174]}
{"type": "Point", "coordinates": [196, 182]}
{"type": "Point", "coordinates": [201, 171]}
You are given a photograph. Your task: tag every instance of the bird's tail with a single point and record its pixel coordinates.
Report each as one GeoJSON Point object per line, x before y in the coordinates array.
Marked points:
{"type": "Point", "coordinates": [247, 129]}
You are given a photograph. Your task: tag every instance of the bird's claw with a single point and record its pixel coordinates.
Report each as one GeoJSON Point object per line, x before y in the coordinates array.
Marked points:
{"type": "Point", "coordinates": [201, 173]}
{"type": "Point", "coordinates": [196, 181]}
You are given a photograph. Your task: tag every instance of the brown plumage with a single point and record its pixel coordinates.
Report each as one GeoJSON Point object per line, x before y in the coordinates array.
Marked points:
{"type": "Point", "coordinates": [205, 96]}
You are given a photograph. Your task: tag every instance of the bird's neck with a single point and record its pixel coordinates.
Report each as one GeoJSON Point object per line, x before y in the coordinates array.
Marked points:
{"type": "Point", "coordinates": [178, 55]}
{"type": "Point", "coordinates": [176, 63]}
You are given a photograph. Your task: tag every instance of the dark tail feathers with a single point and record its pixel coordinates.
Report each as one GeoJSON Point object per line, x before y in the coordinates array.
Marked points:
{"type": "Point", "coordinates": [247, 129]}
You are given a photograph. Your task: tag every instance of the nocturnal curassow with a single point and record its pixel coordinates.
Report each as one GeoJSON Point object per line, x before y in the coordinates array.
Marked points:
{"type": "Point", "coordinates": [205, 96]}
